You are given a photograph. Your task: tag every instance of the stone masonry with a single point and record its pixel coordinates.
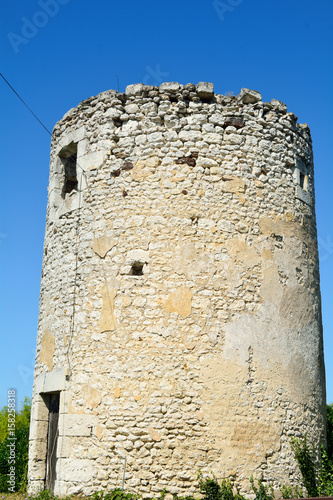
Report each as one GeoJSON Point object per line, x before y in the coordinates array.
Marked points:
{"type": "Point", "coordinates": [180, 317]}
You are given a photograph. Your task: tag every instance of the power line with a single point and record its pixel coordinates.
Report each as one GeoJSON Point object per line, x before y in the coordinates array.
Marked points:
{"type": "Point", "coordinates": [78, 222]}
{"type": "Point", "coordinates": [39, 121]}
{"type": "Point", "coordinates": [25, 104]}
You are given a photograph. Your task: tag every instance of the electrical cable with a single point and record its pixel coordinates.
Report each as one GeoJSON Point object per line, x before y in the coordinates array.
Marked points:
{"type": "Point", "coordinates": [78, 219]}
{"type": "Point", "coordinates": [25, 104]}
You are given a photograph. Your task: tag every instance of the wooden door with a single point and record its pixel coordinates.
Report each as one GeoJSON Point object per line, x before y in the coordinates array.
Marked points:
{"type": "Point", "coordinates": [52, 401]}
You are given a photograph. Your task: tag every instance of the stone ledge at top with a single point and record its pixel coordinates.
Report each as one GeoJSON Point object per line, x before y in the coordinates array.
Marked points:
{"type": "Point", "coordinates": [205, 90]}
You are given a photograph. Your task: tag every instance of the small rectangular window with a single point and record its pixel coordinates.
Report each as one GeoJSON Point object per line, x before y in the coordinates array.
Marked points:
{"type": "Point", "coordinates": [303, 181]}
{"type": "Point", "coordinates": [68, 156]}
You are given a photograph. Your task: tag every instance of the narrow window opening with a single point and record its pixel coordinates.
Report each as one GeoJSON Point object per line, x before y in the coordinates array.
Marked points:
{"type": "Point", "coordinates": [68, 156]}
{"type": "Point", "coordinates": [303, 181]}
{"type": "Point", "coordinates": [137, 269]}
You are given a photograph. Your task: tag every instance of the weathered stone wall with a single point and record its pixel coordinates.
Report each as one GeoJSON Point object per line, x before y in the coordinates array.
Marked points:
{"type": "Point", "coordinates": [189, 248]}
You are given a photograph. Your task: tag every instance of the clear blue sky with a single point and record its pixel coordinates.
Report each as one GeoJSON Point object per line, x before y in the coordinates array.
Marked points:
{"type": "Point", "coordinates": [56, 53]}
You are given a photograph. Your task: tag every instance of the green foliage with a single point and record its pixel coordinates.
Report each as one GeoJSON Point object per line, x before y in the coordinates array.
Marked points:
{"type": "Point", "coordinates": [262, 492]}
{"type": "Point", "coordinates": [186, 497]}
{"type": "Point", "coordinates": [117, 494]}
{"type": "Point", "coordinates": [210, 489]}
{"type": "Point", "coordinates": [289, 492]}
{"type": "Point", "coordinates": [330, 432]}
{"type": "Point", "coordinates": [44, 495]}
{"type": "Point", "coordinates": [22, 422]}
{"type": "Point", "coordinates": [318, 481]}
{"type": "Point", "coordinates": [306, 464]}
{"type": "Point", "coordinates": [325, 475]}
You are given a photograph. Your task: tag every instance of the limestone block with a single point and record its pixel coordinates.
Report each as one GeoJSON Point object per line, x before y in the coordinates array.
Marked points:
{"type": "Point", "coordinates": [107, 321]}
{"type": "Point", "coordinates": [38, 428]}
{"type": "Point", "coordinates": [92, 160]}
{"type": "Point", "coordinates": [179, 302]}
{"type": "Point", "coordinates": [171, 87]}
{"type": "Point", "coordinates": [61, 489]}
{"type": "Point", "coordinates": [103, 245]}
{"type": "Point", "coordinates": [205, 90]}
{"type": "Point", "coordinates": [39, 385]}
{"type": "Point", "coordinates": [75, 470]}
{"type": "Point", "coordinates": [91, 396]}
{"type": "Point", "coordinates": [234, 139]}
{"type": "Point", "coordinates": [134, 89]}
{"type": "Point", "coordinates": [37, 469]}
{"type": "Point", "coordinates": [132, 108]}
{"type": "Point", "coordinates": [217, 119]}
{"type": "Point", "coordinates": [75, 136]}
{"type": "Point", "coordinates": [155, 138]}
{"type": "Point", "coordinates": [35, 485]}
{"type": "Point", "coordinates": [248, 96]}
{"type": "Point", "coordinates": [47, 350]}
{"type": "Point", "coordinates": [303, 195]}
{"type": "Point", "coordinates": [206, 162]}
{"type": "Point", "coordinates": [137, 256]}
{"type": "Point", "coordinates": [39, 410]}
{"type": "Point", "coordinates": [76, 425]}
{"type": "Point", "coordinates": [64, 447]}
{"type": "Point", "coordinates": [279, 105]}
{"type": "Point", "coordinates": [238, 249]}
{"type": "Point", "coordinates": [192, 136]}
{"type": "Point", "coordinates": [235, 185]}
{"type": "Point", "coordinates": [37, 448]}
{"type": "Point", "coordinates": [154, 434]}
{"type": "Point", "coordinates": [130, 127]}
{"type": "Point", "coordinates": [113, 113]}
{"type": "Point", "coordinates": [82, 148]}
{"type": "Point", "coordinates": [213, 138]}
{"type": "Point", "coordinates": [55, 380]}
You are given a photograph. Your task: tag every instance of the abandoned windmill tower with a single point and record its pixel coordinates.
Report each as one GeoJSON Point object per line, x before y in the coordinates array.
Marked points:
{"type": "Point", "coordinates": [180, 321]}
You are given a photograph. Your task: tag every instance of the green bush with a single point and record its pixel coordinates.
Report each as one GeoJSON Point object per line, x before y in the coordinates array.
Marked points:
{"type": "Point", "coordinates": [289, 492]}
{"type": "Point", "coordinates": [317, 480]}
{"type": "Point", "coordinates": [306, 462]}
{"type": "Point", "coordinates": [117, 494]}
{"type": "Point", "coordinates": [210, 489]}
{"type": "Point", "coordinates": [330, 432]}
{"type": "Point", "coordinates": [262, 492]}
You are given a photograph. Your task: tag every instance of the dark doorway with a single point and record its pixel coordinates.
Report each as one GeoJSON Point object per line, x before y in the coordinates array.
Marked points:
{"type": "Point", "coordinates": [52, 402]}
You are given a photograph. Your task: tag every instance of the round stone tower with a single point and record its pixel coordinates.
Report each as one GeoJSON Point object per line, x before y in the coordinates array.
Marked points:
{"type": "Point", "coordinates": [180, 320]}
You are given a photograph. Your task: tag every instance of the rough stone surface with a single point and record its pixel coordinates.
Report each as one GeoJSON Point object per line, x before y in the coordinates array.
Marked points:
{"type": "Point", "coordinates": [180, 310]}
{"type": "Point", "coordinates": [205, 90]}
{"type": "Point", "coordinates": [248, 96]}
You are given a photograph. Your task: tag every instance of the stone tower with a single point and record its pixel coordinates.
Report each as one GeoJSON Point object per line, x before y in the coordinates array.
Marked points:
{"type": "Point", "coordinates": [180, 320]}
